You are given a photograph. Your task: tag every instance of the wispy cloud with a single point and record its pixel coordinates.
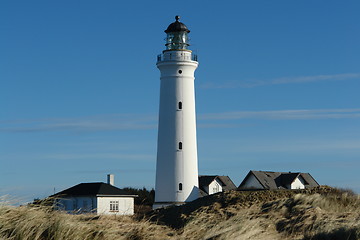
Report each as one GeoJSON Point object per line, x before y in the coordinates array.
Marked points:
{"type": "Point", "coordinates": [124, 122]}
{"type": "Point", "coordinates": [83, 124]}
{"type": "Point", "coordinates": [303, 145]}
{"type": "Point", "coordinates": [99, 156]}
{"type": "Point", "coordinates": [285, 114]}
{"type": "Point", "coordinates": [285, 80]}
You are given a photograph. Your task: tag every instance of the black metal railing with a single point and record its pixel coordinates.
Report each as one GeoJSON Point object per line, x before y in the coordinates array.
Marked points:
{"type": "Point", "coordinates": [162, 57]}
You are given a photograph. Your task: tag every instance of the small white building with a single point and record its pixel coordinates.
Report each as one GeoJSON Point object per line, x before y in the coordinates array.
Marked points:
{"type": "Point", "coordinates": [98, 198]}
{"type": "Point", "coordinates": [277, 180]}
{"type": "Point", "coordinates": [210, 184]}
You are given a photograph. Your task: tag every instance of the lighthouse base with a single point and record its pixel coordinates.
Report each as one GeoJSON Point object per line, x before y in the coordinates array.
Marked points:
{"type": "Point", "coordinates": [157, 205]}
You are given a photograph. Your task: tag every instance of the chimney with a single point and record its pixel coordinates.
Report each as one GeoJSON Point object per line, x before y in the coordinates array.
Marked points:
{"type": "Point", "coordinates": [110, 179]}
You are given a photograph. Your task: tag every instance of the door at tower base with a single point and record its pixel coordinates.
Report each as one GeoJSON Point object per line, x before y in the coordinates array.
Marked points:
{"type": "Point", "coordinates": [194, 195]}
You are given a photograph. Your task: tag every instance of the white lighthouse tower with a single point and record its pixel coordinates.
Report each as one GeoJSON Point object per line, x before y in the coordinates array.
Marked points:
{"type": "Point", "coordinates": [177, 165]}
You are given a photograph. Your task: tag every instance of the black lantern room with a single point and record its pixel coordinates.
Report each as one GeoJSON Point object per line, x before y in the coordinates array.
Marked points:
{"type": "Point", "coordinates": [177, 36]}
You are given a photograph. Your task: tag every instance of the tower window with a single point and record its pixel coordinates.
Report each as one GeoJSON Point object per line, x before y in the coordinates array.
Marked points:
{"type": "Point", "coordinates": [180, 71]}
{"type": "Point", "coordinates": [180, 186]}
{"type": "Point", "coordinates": [180, 105]}
{"type": "Point", "coordinates": [180, 145]}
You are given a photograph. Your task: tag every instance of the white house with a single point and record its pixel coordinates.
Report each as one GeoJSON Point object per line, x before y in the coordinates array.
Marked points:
{"type": "Point", "coordinates": [277, 180]}
{"type": "Point", "coordinates": [98, 198]}
{"type": "Point", "coordinates": [213, 184]}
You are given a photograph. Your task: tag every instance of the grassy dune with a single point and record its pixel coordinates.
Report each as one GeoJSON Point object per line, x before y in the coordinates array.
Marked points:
{"type": "Point", "coordinates": [317, 214]}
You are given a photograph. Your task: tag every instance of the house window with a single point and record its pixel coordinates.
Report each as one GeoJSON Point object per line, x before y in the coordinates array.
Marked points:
{"type": "Point", "coordinates": [180, 186]}
{"type": "Point", "coordinates": [180, 105]}
{"type": "Point", "coordinates": [180, 145]}
{"type": "Point", "coordinates": [114, 206]}
{"type": "Point", "coordinates": [216, 188]}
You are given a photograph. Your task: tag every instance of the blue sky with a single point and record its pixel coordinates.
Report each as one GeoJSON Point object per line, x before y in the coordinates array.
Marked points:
{"type": "Point", "coordinates": [277, 89]}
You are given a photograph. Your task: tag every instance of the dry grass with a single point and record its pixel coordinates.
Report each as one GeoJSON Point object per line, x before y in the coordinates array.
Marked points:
{"type": "Point", "coordinates": [318, 214]}
{"type": "Point", "coordinates": [41, 222]}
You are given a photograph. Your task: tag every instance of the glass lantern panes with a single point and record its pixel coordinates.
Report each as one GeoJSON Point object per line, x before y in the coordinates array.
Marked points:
{"type": "Point", "coordinates": [177, 40]}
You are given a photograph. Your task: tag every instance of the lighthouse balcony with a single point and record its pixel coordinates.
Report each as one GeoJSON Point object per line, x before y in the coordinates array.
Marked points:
{"type": "Point", "coordinates": [177, 56]}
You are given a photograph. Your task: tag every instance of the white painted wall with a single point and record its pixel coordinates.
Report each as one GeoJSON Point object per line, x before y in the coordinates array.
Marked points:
{"type": "Point", "coordinates": [126, 205]}
{"type": "Point", "coordinates": [214, 187]}
{"type": "Point", "coordinates": [99, 205]}
{"type": "Point", "coordinates": [252, 182]}
{"type": "Point", "coordinates": [298, 183]}
{"type": "Point", "coordinates": [176, 166]}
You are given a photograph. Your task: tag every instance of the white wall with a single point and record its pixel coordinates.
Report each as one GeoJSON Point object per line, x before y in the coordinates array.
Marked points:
{"type": "Point", "coordinates": [126, 205]}
{"type": "Point", "coordinates": [214, 187]}
{"type": "Point", "coordinates": [298, 183]}
{"type": "Point", "coordinates": [252, 182]}
{"type": "Point", "coordinates": [176, 167]}
{"type": "Point", "coordinates": [99, 205]}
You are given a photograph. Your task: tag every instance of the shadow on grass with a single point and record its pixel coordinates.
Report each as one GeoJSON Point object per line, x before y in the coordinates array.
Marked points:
{"type": "Point", "coordinates": [337, 234]}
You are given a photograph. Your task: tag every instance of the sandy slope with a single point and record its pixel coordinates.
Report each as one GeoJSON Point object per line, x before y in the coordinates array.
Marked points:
{"type": "Point", "coordinates": [321, 213]}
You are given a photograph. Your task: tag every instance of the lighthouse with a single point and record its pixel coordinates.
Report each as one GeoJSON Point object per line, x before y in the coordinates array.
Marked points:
{"type": "Point", "coordinates": [177, 164]}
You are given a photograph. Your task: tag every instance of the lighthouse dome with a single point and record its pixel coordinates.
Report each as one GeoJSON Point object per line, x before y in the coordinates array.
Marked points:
{"type": "Point", "coordinates": [177, 26]}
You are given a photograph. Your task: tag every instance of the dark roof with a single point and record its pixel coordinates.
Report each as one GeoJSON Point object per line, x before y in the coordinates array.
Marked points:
{"type": "Point", "coordinates": [309, 180]}
{"type": "Point", "coordinates": [202, 193]}
{"type": "Point", "coordinates": [228, 183]}
{"type": "Point", "coordinates": [177, 26]}
{"type": "Point", "coordinates": [97, 188]}
{"type": "Point", "coordinates": [205, 180]}
{"type": "Point", "coordinates": [287, 178]}
{"type": "Point", "coordinates": [266, 179]}
{"type": "Point", "coordinates": [276, 180]}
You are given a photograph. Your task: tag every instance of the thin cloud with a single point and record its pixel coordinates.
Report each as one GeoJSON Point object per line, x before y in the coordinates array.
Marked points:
{"type": "Point", "coordinates": [122, 171]}
{"type": "Point", "coordinates": [318, 145]}
{"type": "Point", "coordinates": [285, 114]}
{"type": "Point", "coordinates": [124, 122]}
{"type": "Point", "coordinates": [107, 156]}
{"type": "Point", "coordinates": [284, 80]}
{"type": "Point", "coordinates": [85, 124]}
{"type": "Point", "coordinates": [220, 125]}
